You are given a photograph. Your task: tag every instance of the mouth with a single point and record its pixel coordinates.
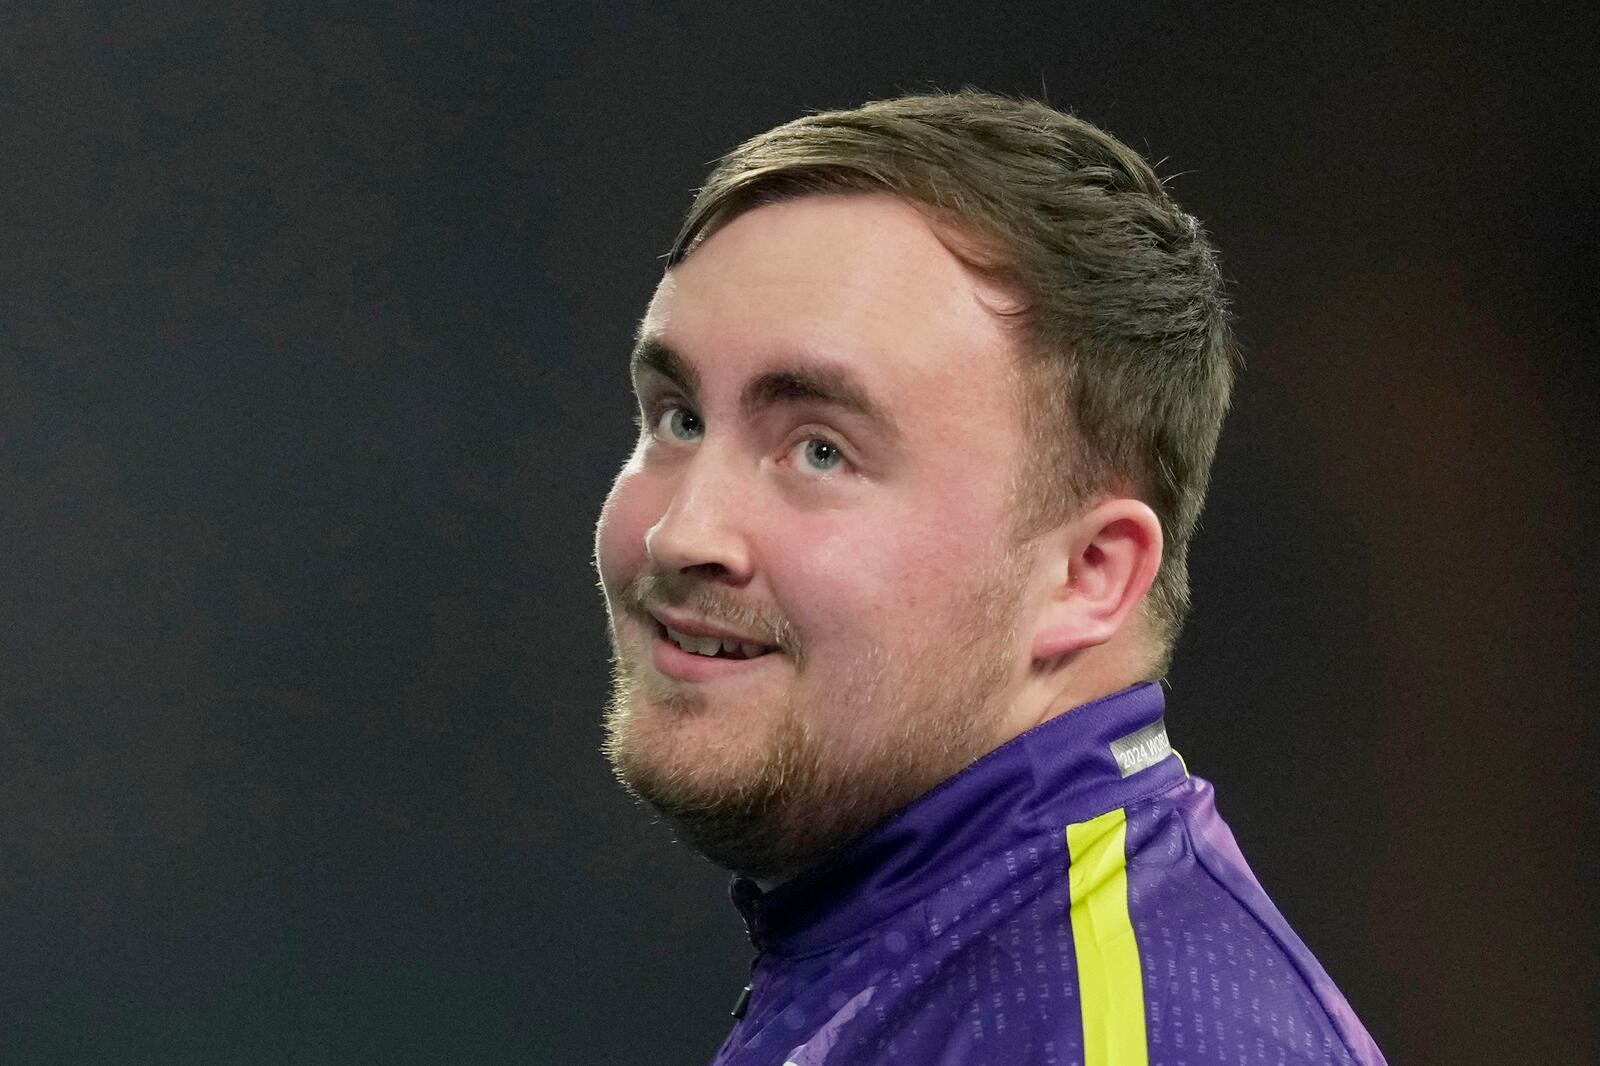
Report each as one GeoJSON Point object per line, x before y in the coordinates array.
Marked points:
{"type": "Point", "coordinates": [712, 647]}
{"type": "Point", "coordinates": [691, 658]}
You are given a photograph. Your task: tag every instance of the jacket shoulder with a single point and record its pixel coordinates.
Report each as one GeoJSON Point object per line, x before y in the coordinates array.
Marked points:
{"type": "Point", "coordinates": [1224, 971]}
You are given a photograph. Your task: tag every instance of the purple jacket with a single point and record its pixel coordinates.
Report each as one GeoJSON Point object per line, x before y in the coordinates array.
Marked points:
{"type": "Point", "coordinates": [1072, 897]}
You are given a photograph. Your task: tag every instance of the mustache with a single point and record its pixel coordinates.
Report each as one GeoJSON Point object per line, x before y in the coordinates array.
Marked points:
{"type": "Point", "coordinates": [714, 605]}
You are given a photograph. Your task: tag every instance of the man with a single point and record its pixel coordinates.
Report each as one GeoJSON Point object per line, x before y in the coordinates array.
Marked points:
{"type": "Point", "coordinates": [929, 395]}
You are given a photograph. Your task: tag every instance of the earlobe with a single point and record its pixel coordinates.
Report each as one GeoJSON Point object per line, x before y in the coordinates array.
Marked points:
{"type": "Point", "coordinates": [1107, 560]}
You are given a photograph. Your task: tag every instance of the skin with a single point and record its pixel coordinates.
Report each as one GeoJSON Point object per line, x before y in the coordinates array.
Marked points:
{"type": "Point", "coordinates": [914, 633]}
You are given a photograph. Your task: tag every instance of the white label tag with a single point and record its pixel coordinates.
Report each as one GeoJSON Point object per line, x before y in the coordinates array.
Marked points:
{"type": "Point", "coordinates": [1142, 749]}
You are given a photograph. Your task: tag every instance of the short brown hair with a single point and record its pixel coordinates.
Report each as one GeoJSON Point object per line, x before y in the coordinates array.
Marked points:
{"type": "Point", "coordinates": [1130, 360]}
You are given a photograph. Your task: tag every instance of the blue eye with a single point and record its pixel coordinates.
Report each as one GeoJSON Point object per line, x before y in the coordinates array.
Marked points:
{"type": "Point", "coordinates": [822, 455]}
{"type": "Point", "coordinates": [680, 423]}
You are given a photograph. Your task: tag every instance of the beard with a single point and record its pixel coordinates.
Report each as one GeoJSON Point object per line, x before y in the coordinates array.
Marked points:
{"type": "Point", "coordinates": [834, 759]}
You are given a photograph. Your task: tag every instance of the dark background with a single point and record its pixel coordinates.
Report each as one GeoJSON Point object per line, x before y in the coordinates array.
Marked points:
{"type": "Point", "coordinates": [312, 333]}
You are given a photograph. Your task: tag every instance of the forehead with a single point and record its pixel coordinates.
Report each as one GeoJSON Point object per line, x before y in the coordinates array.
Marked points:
{"type": "Point", "coordinates": [860, 279]}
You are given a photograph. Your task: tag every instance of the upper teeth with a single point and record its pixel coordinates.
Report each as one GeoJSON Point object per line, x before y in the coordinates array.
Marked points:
{"type": "Point", "coordinates": [712, 645]}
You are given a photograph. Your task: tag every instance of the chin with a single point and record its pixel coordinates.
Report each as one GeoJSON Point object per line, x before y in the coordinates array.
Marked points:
{"type": "Point", "coordinates": [676, 748]}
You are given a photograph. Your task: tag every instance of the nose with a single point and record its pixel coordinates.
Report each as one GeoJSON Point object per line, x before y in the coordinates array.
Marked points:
{"type": "Point", "coordinates": [701, 530]}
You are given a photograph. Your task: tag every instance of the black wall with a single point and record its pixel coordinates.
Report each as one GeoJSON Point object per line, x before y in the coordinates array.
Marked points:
{"type": "Point", "coordinates": [312, 335]}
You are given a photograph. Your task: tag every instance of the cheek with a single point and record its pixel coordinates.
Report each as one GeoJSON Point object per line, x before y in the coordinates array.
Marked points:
{"type": "Point", "coordinates": [869, 582]}
{"type": "Point", "coordinates": [628, 513]}
{"type": "Point", "coordinates": [884, 577]}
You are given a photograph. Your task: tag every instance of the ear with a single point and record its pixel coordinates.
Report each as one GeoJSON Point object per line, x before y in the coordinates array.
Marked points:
{"type": "Point", "coordinates": [1104, 561]}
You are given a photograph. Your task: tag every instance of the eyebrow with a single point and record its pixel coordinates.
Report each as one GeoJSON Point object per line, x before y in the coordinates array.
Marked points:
{"type": "Point", "coordinates": [806, 382]}
{"type": "Point", "coordinates": [650, 353]}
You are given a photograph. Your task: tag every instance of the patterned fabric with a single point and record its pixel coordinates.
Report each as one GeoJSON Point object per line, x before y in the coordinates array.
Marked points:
{"type": "Point", "coordinates": [1041, 907]}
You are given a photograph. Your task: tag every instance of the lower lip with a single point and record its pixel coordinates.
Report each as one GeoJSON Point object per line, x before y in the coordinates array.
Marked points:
{"type": "Point", "coordinates": [687, 666]}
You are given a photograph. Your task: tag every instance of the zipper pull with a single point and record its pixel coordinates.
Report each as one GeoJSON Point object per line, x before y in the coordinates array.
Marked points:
{"type": "Point", "coordinates": [744, 1003]}
{"type": "Point", "coordinates": [749, 986]}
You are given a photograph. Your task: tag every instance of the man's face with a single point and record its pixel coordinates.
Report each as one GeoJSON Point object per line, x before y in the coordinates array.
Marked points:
{"type": "Point", "coordinates": [825, 474]}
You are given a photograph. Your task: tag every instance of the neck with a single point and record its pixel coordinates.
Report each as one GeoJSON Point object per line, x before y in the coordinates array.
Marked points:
{"type": "Point", "coordinates": [1052, 687]}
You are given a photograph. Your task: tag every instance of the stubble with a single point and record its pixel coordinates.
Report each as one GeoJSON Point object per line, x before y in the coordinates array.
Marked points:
{"type": "Point", "coordinates": [916, 716]}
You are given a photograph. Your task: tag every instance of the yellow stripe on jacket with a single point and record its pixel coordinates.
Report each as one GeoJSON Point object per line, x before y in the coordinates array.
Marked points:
{"type": "Point", "coordinates": [1110, 975]}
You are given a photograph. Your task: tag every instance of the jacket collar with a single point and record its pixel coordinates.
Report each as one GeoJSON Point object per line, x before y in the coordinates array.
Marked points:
{"type": "Point", "coordinates": [1060, 772]}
